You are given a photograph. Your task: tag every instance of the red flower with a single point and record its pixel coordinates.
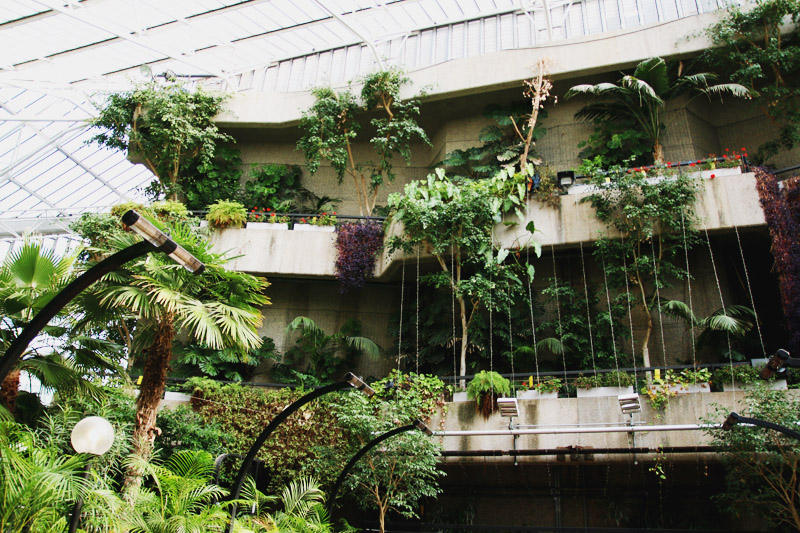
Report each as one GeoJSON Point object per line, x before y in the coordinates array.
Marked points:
{"type": "Point", "coordinates": [334, 212]}
{"type": "Point", "coordinates": [738, 156]}
{"type": "Point", "coordinates": [713, 176]}
{"type": "Point", "coordinates": [692, 164]}
{"type": "Point", "coordinates": [268, 209]}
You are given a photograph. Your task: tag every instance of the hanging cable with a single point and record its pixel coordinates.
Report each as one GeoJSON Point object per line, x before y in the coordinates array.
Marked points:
{"type": "Point", "coordinates": [417, 341]}
{"type": "Point", "coordinates": [400, 328]}
{"type": "Point", "coordinates": [689, 285]}
{"type": "Point", "coordinates": [588, 313]}
{"type": "Point", "coordinates": [453, 301]}
{"type": "Point", "coordinates": [558, 314]}
{"type": "Point", "coordinates": [611, 321]}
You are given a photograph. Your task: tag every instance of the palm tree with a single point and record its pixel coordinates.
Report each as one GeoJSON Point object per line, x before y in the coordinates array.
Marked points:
{"type": "Point", "coordinates": [181, 499]}
{"type": "Point", "coordinates": [725, 330]}
{"type": "Point", "coordinates": [325, 354]}
{"type": "Point", "coordinates": [641, 97]}
{"type": "Point", "coordinates": [30, 277]}
{"type": "Point", "coordinates": [302, 508]}
{"type": "Point", "coordinates": [219, 309]}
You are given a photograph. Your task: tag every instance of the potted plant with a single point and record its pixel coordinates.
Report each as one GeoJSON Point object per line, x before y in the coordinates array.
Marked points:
{"type": "Point", "coordinates": [540, 389]}
{"type": "Point", "coordinates": [744, 377]}
{"type": "Point", "coordinates": [226, 214]}
{"type": "Point", "coordinates": [322, 222]}
{"type": "Point", "coordinates": [485, 387]}
{"type": "Point", "coordinates": [611, 383]}
{"type": "Point", "coordinates": [689, 381]}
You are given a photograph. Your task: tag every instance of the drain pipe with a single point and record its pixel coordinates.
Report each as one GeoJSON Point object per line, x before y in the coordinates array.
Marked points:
{"type": "Point", "coordinates": [573, 430]}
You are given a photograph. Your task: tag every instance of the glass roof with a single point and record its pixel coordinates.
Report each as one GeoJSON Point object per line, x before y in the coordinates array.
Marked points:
{"type": "Point", "coordinates": [60, 56]}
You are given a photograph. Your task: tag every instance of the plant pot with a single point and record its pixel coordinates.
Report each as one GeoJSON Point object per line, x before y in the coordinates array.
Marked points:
{"type": "Point", "coordinates": [311, 227]}
{"type": "Point", "coordinates": [717, 172]}
{"type": "Point", "coordinates": [536, 395]}
{"type": "Point", "coordinates": [268, 225]}
{"type": "Point", "coordinates": [177, 396]}
{"type": "Point", "coordinates": [597, 392]}
{"type": "Point", "coordinates": [692, 388]}
{"type": "Point", "coordinates": [461, 397]}
{"type": "Point", "coordinates": [777, 384]}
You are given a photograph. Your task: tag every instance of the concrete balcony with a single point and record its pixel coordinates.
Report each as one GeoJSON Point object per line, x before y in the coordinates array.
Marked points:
{"type": "Point", "coordinates": [727, 201]}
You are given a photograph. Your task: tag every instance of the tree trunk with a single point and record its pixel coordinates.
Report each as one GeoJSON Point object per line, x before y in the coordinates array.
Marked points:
{"type": "Point", "coordinates": [646, 345]}
{"type": "Point", "coordinates": [9, 390]}
{"type": "Point", "coordinates": [464, 340]}
{"type": "Point", "coordinates": [154, 379]}
{"type": "Point", "coordinates": [658, 153]}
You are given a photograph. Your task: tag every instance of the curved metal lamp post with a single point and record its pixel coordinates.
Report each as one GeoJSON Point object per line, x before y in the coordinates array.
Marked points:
{"type": "Point", "coordinates": [416, 424]}
{"type": "Point", "coordinates": [735, 418]}
{"type": "Point", "coordinates": [155, 240]}
{"type": "Point", "coordinates": [350, 380]}
{"type": "Point", "coordinates": [94, 435]}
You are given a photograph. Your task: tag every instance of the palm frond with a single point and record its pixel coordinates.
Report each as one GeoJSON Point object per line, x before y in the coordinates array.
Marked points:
{"type": "Point", "coordinates": [363, 345]}
{"type": "Point", "coordinates": [552, 345]}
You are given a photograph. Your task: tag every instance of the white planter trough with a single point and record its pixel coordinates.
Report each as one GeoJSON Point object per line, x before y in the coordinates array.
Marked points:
{"type": "Point", "coordinates": [536, 395]}
{"type": "Point", "coordinates": [777, 384]}
{"type": "Point", "coordinates": [311, 227]}
{"type": "Point", "coordinates": [597, 392]}
{"type": "Point", "coordinates": [693, 388]}
{"type": "Point", "coordinates": [268, 225]}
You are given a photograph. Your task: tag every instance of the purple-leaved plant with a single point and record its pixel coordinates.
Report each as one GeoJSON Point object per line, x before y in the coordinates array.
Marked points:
{"type": "Point", "coordinates": [358, 244]}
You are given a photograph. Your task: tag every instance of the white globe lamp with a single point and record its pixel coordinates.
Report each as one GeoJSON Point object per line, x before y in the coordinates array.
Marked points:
{"type": "Point", "coordinates": [93, 434]}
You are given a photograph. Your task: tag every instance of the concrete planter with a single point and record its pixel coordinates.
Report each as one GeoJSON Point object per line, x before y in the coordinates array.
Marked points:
{"type": "Point", "coordinates": [268, 225]}
{"type": "Point", "coordinates": [311, 227]}
{"type": "Point", "coordinates": [177, 396]}
{"type": "Point", "coordinates": [597, 392]}
{"type": "Point", "coordinates": [533, 394]}
{"type": "Point", "coordinates": [461, 397]}
{"type": "Point", "coordinates": [699, 387]}
{"type": "Point", "coordinates": [778, 384]}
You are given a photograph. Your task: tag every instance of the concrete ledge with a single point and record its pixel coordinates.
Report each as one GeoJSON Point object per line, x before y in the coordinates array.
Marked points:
{"type": "Point", "coordinates": [725, 201]}
{"type": "Point", "coordinates": [565, 413]}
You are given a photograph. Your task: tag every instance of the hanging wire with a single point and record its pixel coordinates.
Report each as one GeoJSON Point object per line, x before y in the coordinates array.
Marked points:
{"type": "Point", "coordinates": [746, 275]}
{"type": "Point", "coordinates": [630, 309]}
{"type": "Point", "coordinates": [400, 329]}
{"type": "Point", "coordinates": [510, 333]}
{"type": "Point", "coordinates": [417, 341]}
{"type": "Point", "coordinates": [722, 302]}
{"type": "Point", "coordinates": [491, 330]}
{"type": "Point", "coordinates": [658, 304]}
{"type": "Point", "coordinates": [558, 314]}
{"type": "Point", "coordinates": [588, 313]}
{"type": "Point", "coordinates": [453, 299]}
{"type": "Point", "coordinates": [530, 305]}
{"type": "Point", "coordinates": [689, 285]}
{"type": "Point", "coordinates": [611, 321]}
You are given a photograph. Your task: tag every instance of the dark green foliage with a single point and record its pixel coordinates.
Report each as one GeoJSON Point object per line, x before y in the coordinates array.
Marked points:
{"type": "Point", "coordinates": [168, 126]}
{"type": "Point", "coordinates": [271, 186]}
{"type": "Point", "coordinates": [244, 412]}
{"type": "Point", "coordinates": [762, 476]}
{"type": "Point", "coordinates": [501, 144]}
{"type": "Point", "coordinates": [438, 347]}
{"type": "Point", "coordinates": [581, 338]}
{"type": "Point", "coordinates": [231, 363]}
{"type": "Point", "coordinates": [318, 358]}
{"type": "Point", "coordinates": [183, 429]}
{"type": "Point", "coordinates": [207, 182]}
{"type": "Point", "coordinates": [758, 48]}
{"type": "Point", "coordinates": [96, 228]}
{"type": "Point", "coordinates": [618, 144]}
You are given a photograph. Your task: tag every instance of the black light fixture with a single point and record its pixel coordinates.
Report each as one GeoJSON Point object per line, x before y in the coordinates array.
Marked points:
{"type": "Point", "coordinates": [778, 360]}
{"type": "Point", "coordinates": [146, 230]}
{"type": "Point", "coordinates": [358, 383]}
{"type": "Point", "coordinates": [736, 419]}
{"type": "Point", "coordinates": [566, 178]}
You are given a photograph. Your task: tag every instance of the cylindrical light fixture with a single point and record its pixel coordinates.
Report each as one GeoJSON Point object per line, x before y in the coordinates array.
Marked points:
{"type": "Point", "coordinates": [146, 230]}
{"type": "Point", "coordinates": [93, 434]}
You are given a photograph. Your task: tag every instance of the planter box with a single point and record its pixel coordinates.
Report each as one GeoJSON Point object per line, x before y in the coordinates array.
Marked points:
{"type": "Point", "coordinates": [461, 397]}
{"type": "Point", "coordinates": [596, 392]}
{"type": "Point", "coordinates": [177, 396]}
{"type": "Point", "coordinates": [536, 395]}
{"type": "Point", "coordinates": [700, 387]}
{"type": "Point", "coordinates": [777, 384]}
{"type": "Point", "coordinates": [311, 227]}
{"type": "Point", "coordinates": [268, 225]}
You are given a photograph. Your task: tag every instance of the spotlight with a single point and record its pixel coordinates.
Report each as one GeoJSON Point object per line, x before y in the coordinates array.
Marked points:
{"type": "Point", "coordinates": [508, 407]}
{"type": "Point", "coordinates": [774, 364]}
{"type": "Point", "coordinates": [629, 403]}
{"type": "Point", "coordinates": [359, 384]}
{"type": "Point", "coordinates": [420, 425]}
{"type": "Point", "coordinates": [146, 230]}
{"type": "Point", "coordinates": [566, 178]}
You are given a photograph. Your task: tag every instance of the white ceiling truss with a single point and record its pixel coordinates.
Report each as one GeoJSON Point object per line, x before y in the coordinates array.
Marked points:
{"type": "Point", "coordinates": [60, 56]}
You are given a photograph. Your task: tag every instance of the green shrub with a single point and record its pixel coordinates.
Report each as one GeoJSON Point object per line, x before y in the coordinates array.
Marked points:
{"type": "Point", "coordinates": [226, 214]}
{"type": "Point", "coordinates": [485, 387]}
